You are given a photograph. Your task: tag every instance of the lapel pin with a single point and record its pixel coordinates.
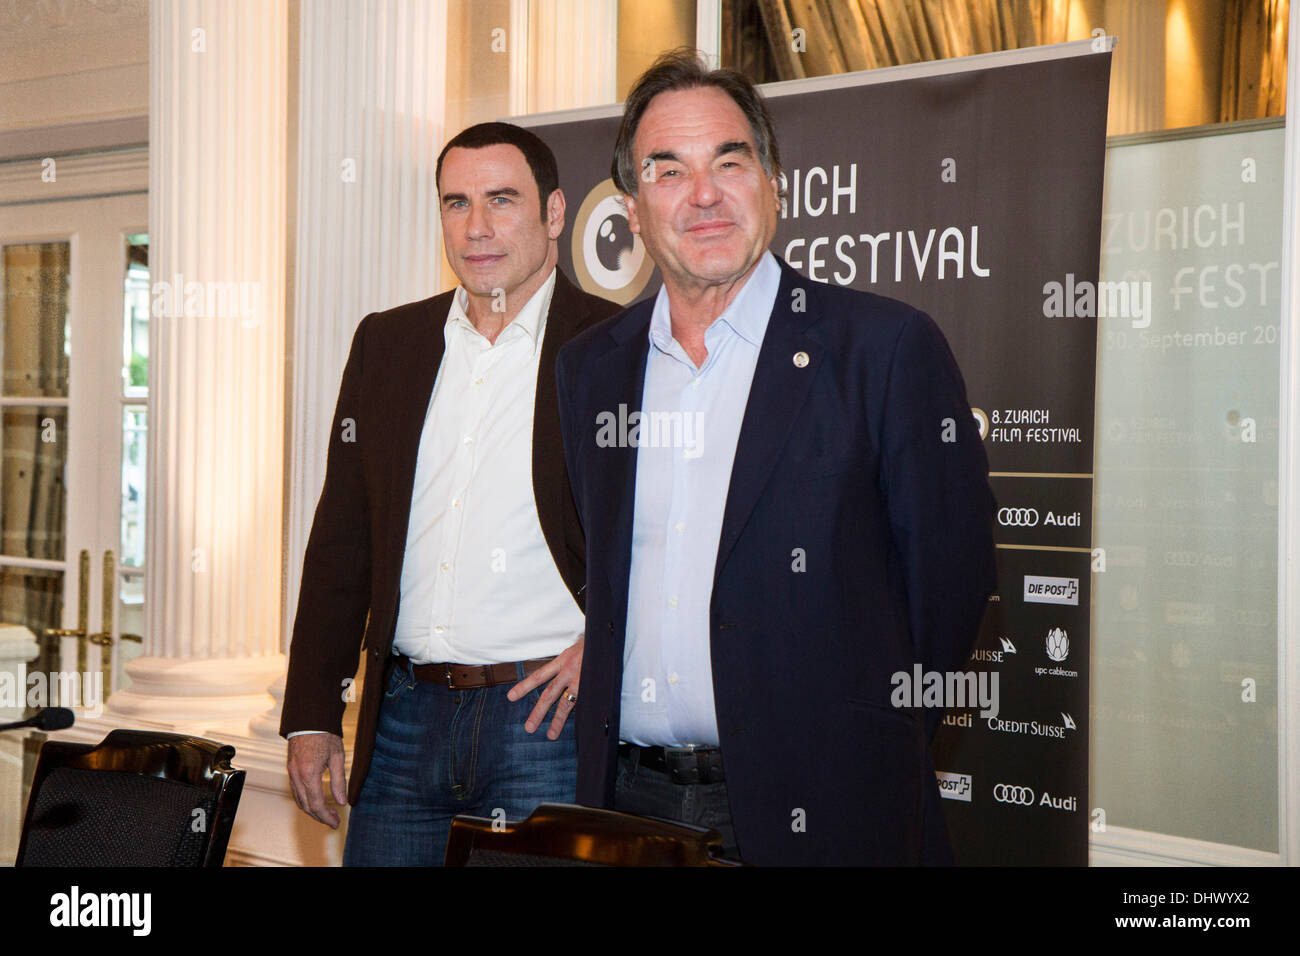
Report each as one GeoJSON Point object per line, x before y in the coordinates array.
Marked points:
{"type": "Point", "coordinates": [800, 359]}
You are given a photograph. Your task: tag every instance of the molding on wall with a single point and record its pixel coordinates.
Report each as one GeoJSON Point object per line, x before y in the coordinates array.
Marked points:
{"type": "Point", "coordinates": [76, 177]}
{"type": "Point", "coordinates": [66, 139]}
{"type": "Point", "coordinates": [1122, 846]}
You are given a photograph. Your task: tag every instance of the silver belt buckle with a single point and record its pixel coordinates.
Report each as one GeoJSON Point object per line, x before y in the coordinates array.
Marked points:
{"type": "Point", "coordinates": [692, 766]}
{"type": "Point", "coordinates": [686, 748]}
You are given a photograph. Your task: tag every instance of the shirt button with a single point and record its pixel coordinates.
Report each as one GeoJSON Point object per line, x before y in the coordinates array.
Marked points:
{"type": "Point", "coordinates": [445, 566]}
{"type": "Point", "coordinates": [455, 502]}
{"type": "Point", "coordinates": [478, 381]}
{"type": "Point", "coordinates": [672, 678]}
{"type": "Point", "coordinates": [438, 629]}
{"type": "Point", "coordinates": [695, 383]}
{"type": "Point", "coordinates": [672, 602]}
{"type": "Point", "coordinates": [469, 439]}
{"type": "Point", "coordinates": [680, 527]}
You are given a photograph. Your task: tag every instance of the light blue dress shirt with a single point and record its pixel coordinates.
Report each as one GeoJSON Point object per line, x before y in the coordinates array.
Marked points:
{"type": "Point", "coordinates": [689, 426]}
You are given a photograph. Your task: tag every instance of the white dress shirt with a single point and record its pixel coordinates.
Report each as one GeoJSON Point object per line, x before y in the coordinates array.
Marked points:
{"type": "Point", "coordinates": [479, 584]}
{"type": "Point", "coordinates": [681, 491]}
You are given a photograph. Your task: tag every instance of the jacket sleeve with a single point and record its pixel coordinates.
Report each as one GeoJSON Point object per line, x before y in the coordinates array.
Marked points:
{"type": "Point", "coordinates": [334, 599]}
{"type": "Point", "coordinates": [941, 508]}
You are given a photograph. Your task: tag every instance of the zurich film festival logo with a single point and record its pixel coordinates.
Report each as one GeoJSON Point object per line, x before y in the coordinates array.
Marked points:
{"type": "Point", "coordinates": [608, 258]}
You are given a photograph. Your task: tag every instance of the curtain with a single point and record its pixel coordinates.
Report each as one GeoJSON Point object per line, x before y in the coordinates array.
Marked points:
{"type": "Point", "coordinates": [844, 35]}
{"type": "Point", "coordinates": [839, 36]}
{"type": "Point", "coordinates": [1254, 59]}
{"type": "Point", "coordinates": [33, 316]}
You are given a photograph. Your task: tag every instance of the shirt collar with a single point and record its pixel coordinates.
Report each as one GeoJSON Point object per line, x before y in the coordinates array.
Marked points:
{"type": "Point", "coordinates": [531, 318]}
{"type": "Point", "coordinates": [747, 315]}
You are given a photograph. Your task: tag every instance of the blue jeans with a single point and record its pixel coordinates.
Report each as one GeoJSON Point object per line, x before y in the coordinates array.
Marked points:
{"type": "Point", "coordinates": [441, 752]}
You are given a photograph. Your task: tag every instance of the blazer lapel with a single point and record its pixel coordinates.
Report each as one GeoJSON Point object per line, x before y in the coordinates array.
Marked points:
{"type": "Point", "coordinates": [569, 314]}
{"type": "Point", "coordinates": [419, 362]}
{"type": "Point", "coordinates": [778, 391]}
{"type": "Point", "coordinates": [620, 375]}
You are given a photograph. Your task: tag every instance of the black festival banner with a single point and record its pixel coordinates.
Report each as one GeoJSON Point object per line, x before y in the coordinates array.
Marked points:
{"type": "Point", "coordinates": [971, 189]}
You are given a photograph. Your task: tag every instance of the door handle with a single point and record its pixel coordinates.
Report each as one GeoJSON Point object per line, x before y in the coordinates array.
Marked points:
{"type": "Point", "coordinates": [104, 638]}
{"type": "Point", "coordinates": [51, 636]}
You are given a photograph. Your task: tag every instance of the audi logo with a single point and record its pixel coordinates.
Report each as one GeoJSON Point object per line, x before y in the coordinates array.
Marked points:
{"type": "Point", "coordinates": [1018, 517]}
{"type": "Point", "coordinates": [1007, 793]}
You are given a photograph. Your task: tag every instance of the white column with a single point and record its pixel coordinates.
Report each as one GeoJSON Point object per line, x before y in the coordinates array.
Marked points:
{"type": "Point", "coordinates": [217, 173]}
{"type": "Point", "coordinates": [17, 647]}
{"type": "Point", "coordinates": [572, 54]}
{"type": "Point", "coordinates": [367, 214]}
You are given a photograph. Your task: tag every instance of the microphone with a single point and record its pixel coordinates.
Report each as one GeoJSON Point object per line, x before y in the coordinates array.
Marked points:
{"type": "Point", "coordinates": [50, 718]}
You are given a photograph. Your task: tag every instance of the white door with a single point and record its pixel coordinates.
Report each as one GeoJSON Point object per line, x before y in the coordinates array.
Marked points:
{"type": "Point", "coordinates": [73, 349]}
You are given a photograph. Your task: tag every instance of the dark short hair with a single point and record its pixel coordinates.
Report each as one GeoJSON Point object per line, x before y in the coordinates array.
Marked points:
{"type": "Point", "coordinates": [539, 156]}
{"type": "Point", "coordinates": [683, 69]}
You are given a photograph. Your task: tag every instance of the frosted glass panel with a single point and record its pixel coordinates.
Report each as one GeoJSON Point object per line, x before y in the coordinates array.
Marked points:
{"type": "Point", "coordinates": [1185, 613]}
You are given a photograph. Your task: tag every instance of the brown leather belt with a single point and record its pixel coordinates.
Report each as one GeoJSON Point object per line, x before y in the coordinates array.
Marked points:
{"type": "Point", "coordinates": [469, 676]}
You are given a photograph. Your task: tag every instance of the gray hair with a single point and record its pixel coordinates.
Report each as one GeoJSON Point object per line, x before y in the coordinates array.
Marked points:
{"type": "Point", "coordinates": [683, 69]}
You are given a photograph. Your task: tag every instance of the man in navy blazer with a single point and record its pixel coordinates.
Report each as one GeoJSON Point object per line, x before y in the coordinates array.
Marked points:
{"type": "Point", "coordinates": [785, 501]}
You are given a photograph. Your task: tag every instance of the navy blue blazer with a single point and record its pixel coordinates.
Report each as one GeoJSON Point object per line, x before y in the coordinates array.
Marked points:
{"type": "Point", "coordinates": [864, 467]}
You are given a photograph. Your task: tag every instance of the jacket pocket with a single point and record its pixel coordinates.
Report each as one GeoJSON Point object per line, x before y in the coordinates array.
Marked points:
{"type": "Point", "coordinates": [906, 714]}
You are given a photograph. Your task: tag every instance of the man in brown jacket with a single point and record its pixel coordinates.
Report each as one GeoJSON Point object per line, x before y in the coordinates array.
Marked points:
{"type": "Point", "coordinates": [445, 542]}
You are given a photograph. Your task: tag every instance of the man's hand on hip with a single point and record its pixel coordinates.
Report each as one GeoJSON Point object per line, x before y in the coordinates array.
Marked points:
{"type": "Point", "coordinates": [563, 674]}
{"type": "Point", "coordinates": [309, 756]}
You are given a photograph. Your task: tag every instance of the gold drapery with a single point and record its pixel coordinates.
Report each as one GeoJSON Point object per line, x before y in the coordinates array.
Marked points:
{"type": "Point", "coordinates": [845, 35]}
{"type": "Point", "coordinates": [839, 36]}
{"type": "Point", "coordinates": [1254, 59]}
{"type": "Point", "coordinates": [33, 438]}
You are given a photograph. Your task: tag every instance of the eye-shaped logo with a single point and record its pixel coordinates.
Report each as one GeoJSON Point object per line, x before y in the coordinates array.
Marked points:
{"type": "Point", "coordinates": [609, 260]}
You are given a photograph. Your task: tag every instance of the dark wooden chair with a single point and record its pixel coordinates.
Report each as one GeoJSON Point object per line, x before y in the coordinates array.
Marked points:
{"type": "Point", "coordinates": [138, 798]}
{"type": "Point", "coordinates": [561, 834]}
